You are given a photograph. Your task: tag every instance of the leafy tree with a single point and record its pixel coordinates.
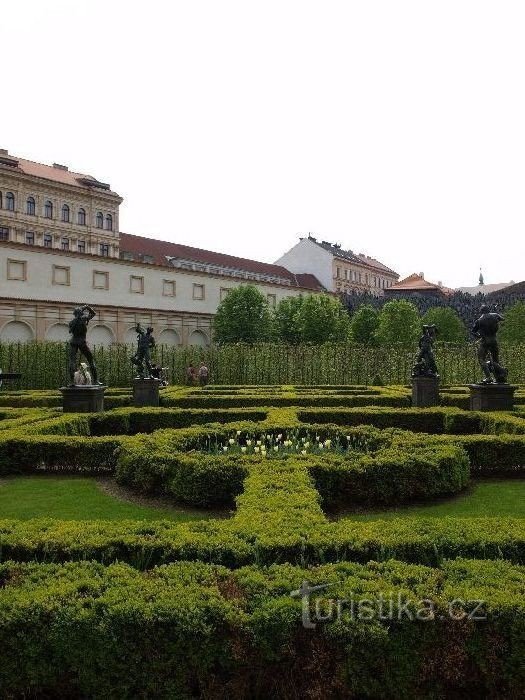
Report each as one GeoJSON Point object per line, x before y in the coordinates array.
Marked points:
{"type": "Point", "coordinates": [321, 319]}
{"type": "Point", "coordinates": [314, 318]}
{"type": "Point", "coordinates": [451, 328]}
{"type": "Point", "coordinates": [513, 328]}
{"type": "Point", "coordinates": [287, 319]}
{"type": "Point", "coordinates": [363, 325]}
{"type": "Point", "coordinates": [243, 316]}
{"type": "Point", "coordinates": [399, 322]}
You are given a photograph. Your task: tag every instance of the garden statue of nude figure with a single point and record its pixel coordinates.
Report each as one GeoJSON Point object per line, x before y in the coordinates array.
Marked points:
{"type": "Point", "coordinates": [145, 341]}
{"type": "Point", "coordinates": [485, 329]}
{"type": "Point", "coordinates": [425, 362]}
{"type": "Point", "coordinates": [82, 315]}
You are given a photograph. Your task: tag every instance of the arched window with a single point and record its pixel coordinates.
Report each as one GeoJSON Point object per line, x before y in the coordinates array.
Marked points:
{"type": "Point", "coordinates": [65, 213]}
{"type": "Point", "coordinates": [82, 217]}
{"type": "Point", "coordinates": [100, 220]}
{"type": "Point", "coordinates": [48, 209]}
{"type": "Point", "coordinates": [30, 206]}
{"type": "Point", "coordinates": [109, 222]}
{"type": "Point", "coordinates": [10, 201]}
{"type": "Point", "coordinates": [1, 203]}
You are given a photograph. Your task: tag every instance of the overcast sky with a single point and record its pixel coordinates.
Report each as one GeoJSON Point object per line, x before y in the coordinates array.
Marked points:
{"type": "Point", "coordinates": [394, 128]}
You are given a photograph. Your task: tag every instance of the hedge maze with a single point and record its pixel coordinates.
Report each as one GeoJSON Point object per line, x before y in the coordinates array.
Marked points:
{"type": "Point", "coordinates": [204, 608]}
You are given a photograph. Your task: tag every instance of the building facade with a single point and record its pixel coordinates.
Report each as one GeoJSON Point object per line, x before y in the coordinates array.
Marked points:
{"type": "Point", "coordinates": [338, 270]}
{"type": "Point", "coordinates": [60, 247]}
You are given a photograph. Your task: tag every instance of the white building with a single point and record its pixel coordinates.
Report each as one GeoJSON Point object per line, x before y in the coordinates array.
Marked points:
{"type": "Point", "coordinates": [338, 270]}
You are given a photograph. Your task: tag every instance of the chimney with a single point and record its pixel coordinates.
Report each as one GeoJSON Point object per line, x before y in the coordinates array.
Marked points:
{"type": "Point", "coordinates": [422, 274]}
{"type": "Point", "coordinates": [60, 167]}
{"type": "Point", "coordinates": [4, 152]}
{"type": "Point", "coordinates": [440, 283]}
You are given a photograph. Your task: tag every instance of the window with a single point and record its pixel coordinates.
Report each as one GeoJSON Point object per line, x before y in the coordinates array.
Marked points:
{"type": "Point", "coordinates": [81, 246]}
{"type": "Point", "coordinates": [224, 292]}
{"type": "Point", "coordinates": [65, 244]}
{"type": "Point", "coordinates": [100, 280]}
{"type": "Point", "coordinates": [168, 288]}
{"type": "Point", "coordinates": [30, 206]}
{"type": "Point", "coordinates": [104, 250]}
{"type": "Point", "coordinates": [100, 220]}
{"type": "Point", "coordinates": [198, 292]}
{"type": "Point", "coordinates": [81, 218]}
{"type": "Point", "coordinates": [4, 233]}
{"type": "Point", "coordinates": [10, 201]}
{"type": "Point", "coordinates": [65, 213]}
{"type": "Point", "coordinates": [30, 238]}
{"type": "Point", "coordinates": [1, 205]}
{"type": "Point", "coordinates": [337, 272]}
{"type": "Point", "coordinates": [272, 300]}
{"type": "Point", "coordinates": [136, 284]}
{"type": "Point", "coordinates": [61, 275]}
{"type": "Point", "coordinates": [109, 222]}
{"type": "Point", "coordinates": [17, 270]}
{"type": "Point", "coordinates": [148, 258]}
{"type": "Point", "coordinates": [48, 240]}
{"type": "Point", "coordinates": [48, 209]}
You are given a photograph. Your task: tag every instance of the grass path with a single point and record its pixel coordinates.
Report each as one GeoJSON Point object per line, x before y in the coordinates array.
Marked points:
{"type": "Point", "coordinates": [484, 498]}
{"type": "Point", "coordinates": [78, 498]}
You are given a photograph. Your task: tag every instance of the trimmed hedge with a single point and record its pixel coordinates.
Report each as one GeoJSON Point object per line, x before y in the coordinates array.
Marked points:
{"type": "Point", "coordinates": [195, 630]}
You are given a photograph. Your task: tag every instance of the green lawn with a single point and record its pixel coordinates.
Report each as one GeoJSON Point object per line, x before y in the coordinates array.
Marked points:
{"type": "Point", "coordinates": [76, 498]}
{"type": "Point", "coordinates": [484, 498]}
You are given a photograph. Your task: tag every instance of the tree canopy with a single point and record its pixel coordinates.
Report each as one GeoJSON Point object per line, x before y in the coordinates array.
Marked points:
{"type": "Point", "coordinates": [451, 328]}
{"type": "Point", "coordinates": [243, 316]}
{"type": "Point", "coordinates": [399, 322]}
{"type": "Point", "coordinates": [364, 324]}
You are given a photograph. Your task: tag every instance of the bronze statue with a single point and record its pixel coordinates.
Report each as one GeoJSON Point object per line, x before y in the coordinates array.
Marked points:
{"type": "Point", "coordinates": [82, 315]}
{"type": "Point", "coordinates": [425, 362]}
{"type": "Point", "coordinates": [485, 329]}
{"type": "Point", "coordinates": [145, 341]}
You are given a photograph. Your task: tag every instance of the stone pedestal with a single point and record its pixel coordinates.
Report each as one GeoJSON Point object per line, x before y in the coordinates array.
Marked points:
{"type": "Point", "coordinates": [146, 392]}
{"type": "Point", "coordinates": [491, 397]}
{"type": "Point", "coordinates": [425, 391]}
{"type": "Point", "coordinates": [83, 399]}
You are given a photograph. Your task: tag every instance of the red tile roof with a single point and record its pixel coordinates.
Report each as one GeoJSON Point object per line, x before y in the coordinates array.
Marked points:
{"type": "Point", "coordinates": [161, 250]}
{"type": "Point", "coordinates": [50, 172]}
{"type": "Point", "coordinates": [416, 283]}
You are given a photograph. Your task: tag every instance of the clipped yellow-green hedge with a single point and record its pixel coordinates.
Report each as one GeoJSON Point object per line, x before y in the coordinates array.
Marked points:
{"type": "Point", "coordinates": [196, 630]}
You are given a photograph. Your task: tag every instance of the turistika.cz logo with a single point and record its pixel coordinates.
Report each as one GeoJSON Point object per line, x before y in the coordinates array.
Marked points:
{"type": "Point", "coordinates": [386, 607]}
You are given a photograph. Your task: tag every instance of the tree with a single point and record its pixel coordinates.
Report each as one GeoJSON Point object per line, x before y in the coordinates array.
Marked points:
{"type": "Point", "coordinates": [513, 327]}
{"type": "Point", "coordinates": [363, 325]}
{"type": "Point", "coordinates": [451, 328]}
{"type": "Point", "coordinates": [243, 317]}
{"type": "Point", "coordinates": [315, 318]}
{"type": "Point", "coordinates": [287, 319]}
{"type": "Point", "coordinates": [399, 322]}
{"type": "Point", "coordinates": [322, 319]}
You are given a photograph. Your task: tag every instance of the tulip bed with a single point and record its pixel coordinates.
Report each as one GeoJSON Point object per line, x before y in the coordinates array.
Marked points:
{"type": "Point", "coordinates": [204, 608]}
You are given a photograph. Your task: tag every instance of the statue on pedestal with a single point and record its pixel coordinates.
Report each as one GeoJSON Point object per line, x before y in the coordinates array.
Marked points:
{"type": "Point", "coordinates": [486, 329]}
{"type": "Point", "coordinates": [425, 362]}
{"type": "Point", "coordinates": [82, 315]}
{"type": "Point", "coordinates": [145, 341]}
